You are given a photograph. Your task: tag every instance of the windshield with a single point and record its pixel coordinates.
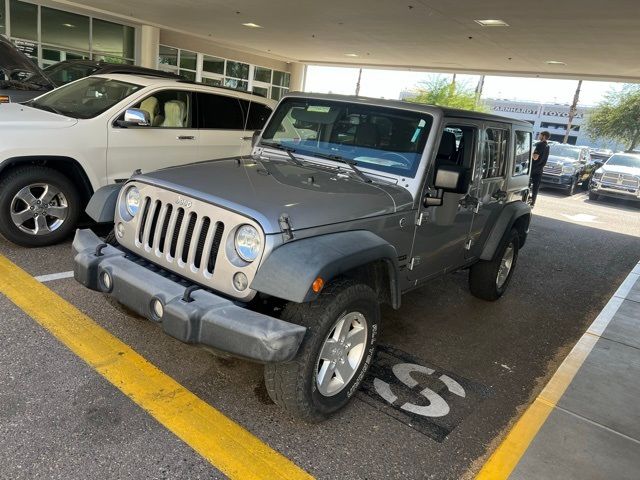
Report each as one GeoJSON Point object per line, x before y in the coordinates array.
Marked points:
{"type": "Point", "coordinates": [560, 150]}
{"type": "Point", "coordinates": [380, 138]}
{"type": "Point", "coordinates": [63, 73]}
{"type": "Point", "coordinates": [624, 161]}
{"type": "Point", "coordinates": [85, 98]}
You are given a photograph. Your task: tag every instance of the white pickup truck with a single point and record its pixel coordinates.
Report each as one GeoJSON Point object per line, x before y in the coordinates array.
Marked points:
{"type": "Point", "coordinates": [59, 148]}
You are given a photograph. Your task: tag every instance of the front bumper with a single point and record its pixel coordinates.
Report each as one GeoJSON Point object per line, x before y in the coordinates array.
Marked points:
{"type": "Point", "coordinates": [560, 181]}
{"type": "Point", "coordinates": [614, 191]}
{"type": "Point", "coordinates": [207, 319]}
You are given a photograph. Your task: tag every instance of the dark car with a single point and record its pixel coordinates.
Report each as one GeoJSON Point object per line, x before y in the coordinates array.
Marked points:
{"type": "Point", "coordinates": [568, 166]}
{"type": "Point", "coordinates": [21, 79]}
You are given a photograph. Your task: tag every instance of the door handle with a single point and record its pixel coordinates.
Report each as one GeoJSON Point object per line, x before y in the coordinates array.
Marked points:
{"type": "Point", "coordinates": [186, 137]}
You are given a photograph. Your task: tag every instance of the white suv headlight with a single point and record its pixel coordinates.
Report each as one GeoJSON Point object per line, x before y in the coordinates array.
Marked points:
{"type": "Point", "coordinates": [248, 243]}
{"type": "Point", "coordinates": [598, 174]}
{"type": "Point", "coordinates": [132, 201]}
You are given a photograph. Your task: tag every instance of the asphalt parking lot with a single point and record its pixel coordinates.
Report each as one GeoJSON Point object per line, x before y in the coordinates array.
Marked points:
{"type": "Point", "coordinates": [486, 361]}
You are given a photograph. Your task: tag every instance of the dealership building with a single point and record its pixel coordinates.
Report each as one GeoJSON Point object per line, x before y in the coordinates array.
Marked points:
{"type": "Point", "coordinates": [49, 35]}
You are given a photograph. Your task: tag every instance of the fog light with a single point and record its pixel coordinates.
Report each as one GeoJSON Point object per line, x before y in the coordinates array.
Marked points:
{"type": "Point", "coordinates": [106, 280]}
{"type": "Point", "coordinates": [157, 308]}
{"type": "Point", "coordinates": [120, 229]}
{"type": "Point", "coordinates": [240, 281]}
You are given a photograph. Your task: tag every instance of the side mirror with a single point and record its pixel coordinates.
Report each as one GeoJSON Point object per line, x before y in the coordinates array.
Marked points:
{"type": "Point", "coordinates": [255, 137]}
{"type": "Point", "coordinates": [453, 178]}
{"type": "Point", "coordinates": [135, 117]}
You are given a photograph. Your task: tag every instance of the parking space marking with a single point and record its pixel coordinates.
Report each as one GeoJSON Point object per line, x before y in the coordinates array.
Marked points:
{"type": "Point", "coordinates": [54, 276]}
{"type": "Point", "coordinates": [508, 454]}
{"type": "Point", "coordinates": [226, 445]}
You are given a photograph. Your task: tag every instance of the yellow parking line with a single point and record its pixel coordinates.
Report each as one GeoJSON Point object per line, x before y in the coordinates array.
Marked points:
{"type": "Point", "coordinates": [225, 444]}
{"type": "Point", "coordinates": [504, 460]}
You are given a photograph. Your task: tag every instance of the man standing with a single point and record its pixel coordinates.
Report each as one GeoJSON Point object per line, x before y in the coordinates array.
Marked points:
{"type": "Point", "coordinates": [540, 156]}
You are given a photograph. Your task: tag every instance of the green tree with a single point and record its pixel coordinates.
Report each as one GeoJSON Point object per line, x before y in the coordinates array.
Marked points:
{"type": "Point", "coordinates": [617, 117]}
{"type": "Point", "coordinates": [441, 91]}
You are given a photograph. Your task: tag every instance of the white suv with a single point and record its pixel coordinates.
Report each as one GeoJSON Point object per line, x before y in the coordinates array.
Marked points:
{"type": "Point", "coordinates": [59, 148]}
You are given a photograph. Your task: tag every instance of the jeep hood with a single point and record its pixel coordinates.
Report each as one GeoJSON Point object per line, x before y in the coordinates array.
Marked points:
{"type": "Point", "coordinates": [265, 189]}
{"type": "Point", "coordinates": [15, 115]}
{"type": "Point", "coordinates": [13, 60]}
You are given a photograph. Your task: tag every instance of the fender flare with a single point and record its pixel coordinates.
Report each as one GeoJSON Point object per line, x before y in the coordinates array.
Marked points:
{"type": "Point", "coordinates": [290, 270]}
{"type": "Point", "coordinates": [102, 206]}
{"type": "Point", "coordinates": [508, 217]}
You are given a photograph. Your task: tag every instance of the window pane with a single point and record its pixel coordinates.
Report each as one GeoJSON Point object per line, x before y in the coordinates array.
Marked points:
{"type": "Point", "coordinates": [277, 93]}
{"type": "Point", "coordinates": [188, 75]}
{"type": "Point", "coordinates": [3, 18]}
{"type": "Point", "coordinates": [103, 57]}
{"type": "Point", "coordinates": [262, 75]}
{"type": "Point", "coordinates": [494, 154]}
{"type": "Point", "coordinates": [214, 82]}
{"type": "Point", "coordinates": [213, 65]}
{"type": "Point", "coordinates": [281, 78]}
{"type": "Point", "coordinates": [522, 153]}
{"type": "Point", "coordinates": [56, 55]}
{"type": "Point", "coordinates": [258, 116]}
{"type": "Point", "coordinates": [113, 39]}
{"type": "Point", "coordinates": [65, 73]}
{"type": "Point", "coordinates": [24, 20]}
{"type": "Point", "coordinates": [188, 59]}
{"type": "Point", "coordinates": [168, 56]}
{"type": "Point", "coordinates": [65, 29]}
{"type": "Point", "coordinates": [261, 91]}
{"type": "Point", "coordinates": [237, 84]}
{"type": "Point", "coordinates": [237, 70]}
{"type": "Point", "coordinates": [30, 49]}
{"type": "Point", "coordinates": [220, 112]}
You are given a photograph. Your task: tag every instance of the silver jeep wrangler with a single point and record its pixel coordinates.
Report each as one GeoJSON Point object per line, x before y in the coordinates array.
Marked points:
{"type": "Point", "coordinates": [285, 256]}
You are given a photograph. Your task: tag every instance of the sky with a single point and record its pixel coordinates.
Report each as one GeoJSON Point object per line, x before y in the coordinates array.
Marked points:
{"type": "Point", "coordinates": [389, 84]}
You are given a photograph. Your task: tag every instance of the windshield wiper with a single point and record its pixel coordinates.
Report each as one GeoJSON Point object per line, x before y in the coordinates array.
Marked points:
{"type": "Point", "coordinates": [352, 163]}
{"type": "Point", "coordinates": [290, 151]}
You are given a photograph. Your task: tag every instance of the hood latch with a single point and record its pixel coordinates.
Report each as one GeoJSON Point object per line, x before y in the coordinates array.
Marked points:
{"type": "Point", "coordinates": [285, 226]}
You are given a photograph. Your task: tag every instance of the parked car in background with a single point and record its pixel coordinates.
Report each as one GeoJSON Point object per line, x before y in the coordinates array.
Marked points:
{"type": "Point", "coordinates": [57, 149]}
{"type": "Point", "coordinates": [600, 155]}
{"type": "Point", "coordinates": [567, 167]}
{"type": "Point", "coordinates": [619, 177]}
{"type": "Point", "coordinates": [21, 79]}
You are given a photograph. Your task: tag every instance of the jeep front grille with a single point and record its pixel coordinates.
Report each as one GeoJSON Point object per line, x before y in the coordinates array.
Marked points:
{"type": "Point", "coordinates": [185, 237]}
{"type": "Point", "coordinates": [188, 237]}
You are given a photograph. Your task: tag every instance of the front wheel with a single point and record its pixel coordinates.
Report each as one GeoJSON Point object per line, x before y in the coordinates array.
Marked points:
{"type": "Point", "coordinates": [335, 354]}
{"type": "Point", "coordinates": [39, 206]}
{"type": "Point", "coordinates": [489, 279]}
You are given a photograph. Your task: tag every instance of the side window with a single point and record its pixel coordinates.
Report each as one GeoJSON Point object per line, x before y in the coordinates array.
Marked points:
{"type": "Point", "coordinates": [169, 109]}
{"type": "Point", "coordinates": [220, 112]}
{"type": "Point", "coordinates": [258, 116]}
{"type": "Point", "coordinates": [457, 146]}
{"type": "Point", "coordinates": [494, 153]}
{"type": "Point", "coordinates": [522, 153]}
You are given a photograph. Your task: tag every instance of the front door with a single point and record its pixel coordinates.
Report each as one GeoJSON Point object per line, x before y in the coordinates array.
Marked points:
{"type": "Point", "coordinates": [222, 126]}
{"type": "Point", "coordinates": [442, 233]}
{"type": "Point", "coordinates": [171, 139]}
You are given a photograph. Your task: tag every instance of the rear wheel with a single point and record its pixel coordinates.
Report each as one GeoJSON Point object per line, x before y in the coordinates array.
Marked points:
{"type": "Point", "coordinates": [38, 206]}
{"type": "Point", "coordinates": [334, 355]}
{"type": "Point", "coordinates": [489, 279]}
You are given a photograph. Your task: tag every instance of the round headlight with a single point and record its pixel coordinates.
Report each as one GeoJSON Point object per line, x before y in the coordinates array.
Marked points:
{"type": "Point", "coordinates": [132, 201]}
{"type": "Point", "coordinates": [248, 243]}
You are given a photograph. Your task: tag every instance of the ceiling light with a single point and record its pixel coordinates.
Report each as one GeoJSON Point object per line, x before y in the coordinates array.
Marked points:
{"type": "Point", "coordinates": [554, 62]}
{"type": "Point", "coordinates": [350, 54]}
{"type": "Point", "coordinates": [252, 25]}
{"type": "Point", "coordinates": [68, 25]}
{"type": "Point", "coordinates": [492, 23]}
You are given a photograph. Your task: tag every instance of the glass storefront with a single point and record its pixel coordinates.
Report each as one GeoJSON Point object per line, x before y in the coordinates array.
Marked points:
{"type": "Point", "coordinates": [217, 72]}
{"type": "Point", "coordinates": [65, 35]}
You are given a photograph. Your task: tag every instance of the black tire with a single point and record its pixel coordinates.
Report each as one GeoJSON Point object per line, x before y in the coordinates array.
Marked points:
{"type": "Point", "coordinates": [585, 184]}
{"type": "Point", "coordinates": [593, 196]}
{"type": "Point", "coordinates": [30, 175]}
{"type": "Point", "coordinates": [292, 385]}
{"type": "Point", "coordinates": [483, 275]}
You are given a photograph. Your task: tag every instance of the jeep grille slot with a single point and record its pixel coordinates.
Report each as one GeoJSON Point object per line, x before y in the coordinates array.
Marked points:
{"type": "Point", "coordinates": [154, 221]}
{"type": "Point", "coordinates": [176, 233]}
{"type": "Point", "coordinates": [165, 227]}
{"type": "Point", "coordinates": [215, 246]}
{"type": "Point", "coordinates": [187, 239]}
{"type": "Point", "coordinates": [143, 218]}
{"type": "Point", "coordinates": [204, 229]}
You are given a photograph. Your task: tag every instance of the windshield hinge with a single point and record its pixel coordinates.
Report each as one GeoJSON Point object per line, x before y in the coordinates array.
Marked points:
{"type": "Point", "coordinates": [415, 261]}
{"type": "Point", "coordinates": [285, 226]}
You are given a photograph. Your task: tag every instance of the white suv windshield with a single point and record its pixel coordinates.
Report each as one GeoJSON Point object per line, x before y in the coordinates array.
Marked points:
{"type": "Point", "coordinates": [632, 161]}
{"type": "Point", "coordinates": [85, 98]}
{"type": "Point", "coordinates": [379, 138]}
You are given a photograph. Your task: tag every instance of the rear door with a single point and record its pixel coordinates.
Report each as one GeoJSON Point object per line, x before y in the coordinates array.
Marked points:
{"type": "Point", "coordinates": [171, 139]}
{"type": "Point", "coordinates": [222, 122]}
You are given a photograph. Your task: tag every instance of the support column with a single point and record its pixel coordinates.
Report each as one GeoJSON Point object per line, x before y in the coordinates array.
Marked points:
{"type": "Point", "coordinates": [298, 74]}
{"type": "Point", "coordinates": [149, 46]}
